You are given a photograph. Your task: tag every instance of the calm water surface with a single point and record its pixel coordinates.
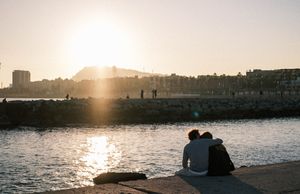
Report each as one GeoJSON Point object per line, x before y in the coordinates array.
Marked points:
{"type": "Point", "coordinates": [34, 160]}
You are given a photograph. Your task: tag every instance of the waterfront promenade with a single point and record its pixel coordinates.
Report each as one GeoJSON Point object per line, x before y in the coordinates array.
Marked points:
{"type": "Point", "coordinates": [280, 178]}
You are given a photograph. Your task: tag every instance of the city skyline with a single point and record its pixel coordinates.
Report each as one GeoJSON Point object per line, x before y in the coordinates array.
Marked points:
{"type": "Point", "coordinates": [58, 38]}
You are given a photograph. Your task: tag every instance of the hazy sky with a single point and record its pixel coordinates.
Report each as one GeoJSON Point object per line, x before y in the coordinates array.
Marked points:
{"type": "Point", "coordinates": [56, 38]}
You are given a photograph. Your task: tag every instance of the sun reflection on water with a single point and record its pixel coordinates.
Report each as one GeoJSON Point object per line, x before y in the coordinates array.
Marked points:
{"type": "Point", "coordinates": [99, 156]}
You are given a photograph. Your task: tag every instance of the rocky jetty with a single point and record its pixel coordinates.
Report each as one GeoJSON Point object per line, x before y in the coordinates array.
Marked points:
{"type": "Point", "coordinates": [124, 111]}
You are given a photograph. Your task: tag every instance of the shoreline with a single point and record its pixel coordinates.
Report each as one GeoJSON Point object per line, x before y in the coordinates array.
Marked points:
{"type": "Point", "coordinates": [271, 178]}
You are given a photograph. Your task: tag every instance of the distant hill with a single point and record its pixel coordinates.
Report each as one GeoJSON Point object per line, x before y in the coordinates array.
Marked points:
{"type": "Point", "coordinates": [92, 73]}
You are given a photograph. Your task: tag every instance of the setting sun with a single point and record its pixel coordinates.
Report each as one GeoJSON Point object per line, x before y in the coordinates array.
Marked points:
{"type": "Point", "coordinates": [100, 43]}
{"type": "Point", "coordinates": [149, 96]}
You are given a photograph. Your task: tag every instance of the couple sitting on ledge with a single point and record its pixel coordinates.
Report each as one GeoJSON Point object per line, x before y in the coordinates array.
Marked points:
{"type": "Point", "coordinates": [206, 156]}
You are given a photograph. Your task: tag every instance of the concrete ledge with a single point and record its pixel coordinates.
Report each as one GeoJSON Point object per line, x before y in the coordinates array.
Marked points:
{"type": "Point", "coordinates": [281, 178]}
{"type": "Point", "coordinates": [106, 188]}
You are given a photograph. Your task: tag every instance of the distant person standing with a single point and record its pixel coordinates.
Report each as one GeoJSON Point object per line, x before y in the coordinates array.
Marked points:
{"type": "Point", "coordinates": [154, 93]}
{"type": "Point", "coordinates": [67, 96]}
{"type": "Point", "coordinates": [4, 102]}
{"type": "Point", "coordinates": [197, 153]}
{"type": "Point", "coordinates": [142, 94]}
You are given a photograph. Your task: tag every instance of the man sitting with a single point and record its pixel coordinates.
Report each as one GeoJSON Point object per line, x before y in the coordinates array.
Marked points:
{"type": "Point", "coordinates": [197, 153]}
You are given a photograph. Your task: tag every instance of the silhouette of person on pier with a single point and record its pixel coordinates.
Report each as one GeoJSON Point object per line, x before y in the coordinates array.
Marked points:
{"type": "Point", "coordinates": [4, 101]}
{"type": "Point", "coordinates": [142, 94]}
{"type": "Point", "coordinates": [154, 93]}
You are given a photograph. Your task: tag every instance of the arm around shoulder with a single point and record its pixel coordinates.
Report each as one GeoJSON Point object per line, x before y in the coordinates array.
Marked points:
{"type": "Point", "coordinates": [218, 141]}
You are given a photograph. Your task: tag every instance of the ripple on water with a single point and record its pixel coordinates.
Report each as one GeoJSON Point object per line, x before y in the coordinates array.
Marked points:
{"type": "Point", "coordinates": [34, 160]}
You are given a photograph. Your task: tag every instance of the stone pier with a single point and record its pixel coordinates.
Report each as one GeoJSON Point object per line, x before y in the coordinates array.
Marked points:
{"type": "Point", "coordinates": [283, 178]}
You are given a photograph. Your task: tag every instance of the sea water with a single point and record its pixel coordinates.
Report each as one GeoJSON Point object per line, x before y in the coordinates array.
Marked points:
{"type": "Point", "coordinates": [43, 159]}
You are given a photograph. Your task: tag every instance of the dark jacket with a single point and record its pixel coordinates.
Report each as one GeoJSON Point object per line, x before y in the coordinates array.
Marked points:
{"type": "Point", "coordinates": [219, 162]}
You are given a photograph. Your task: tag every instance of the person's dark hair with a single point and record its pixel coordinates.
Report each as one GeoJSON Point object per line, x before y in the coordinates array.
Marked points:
{"type": "Point", "coordinates": [193, 134]}
{"type": "Point", "coordinates": [207, 135]}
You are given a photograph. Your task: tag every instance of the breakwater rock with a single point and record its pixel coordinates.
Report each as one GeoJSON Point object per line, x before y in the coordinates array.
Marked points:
{"type": "Point", "coordinates": [115, 177]}
{"type": "Point", "coordinates": [118, 111]}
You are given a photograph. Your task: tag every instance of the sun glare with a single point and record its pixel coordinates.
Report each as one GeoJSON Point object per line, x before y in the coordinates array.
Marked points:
{"type": "Point", "coordinates": [100, 44]}
{"type": "Point", "coordinates": [101, 155]}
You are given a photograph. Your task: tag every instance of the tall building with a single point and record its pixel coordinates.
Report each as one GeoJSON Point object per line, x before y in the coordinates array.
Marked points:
{"type": "Point", "coordinates": [21, 79]}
